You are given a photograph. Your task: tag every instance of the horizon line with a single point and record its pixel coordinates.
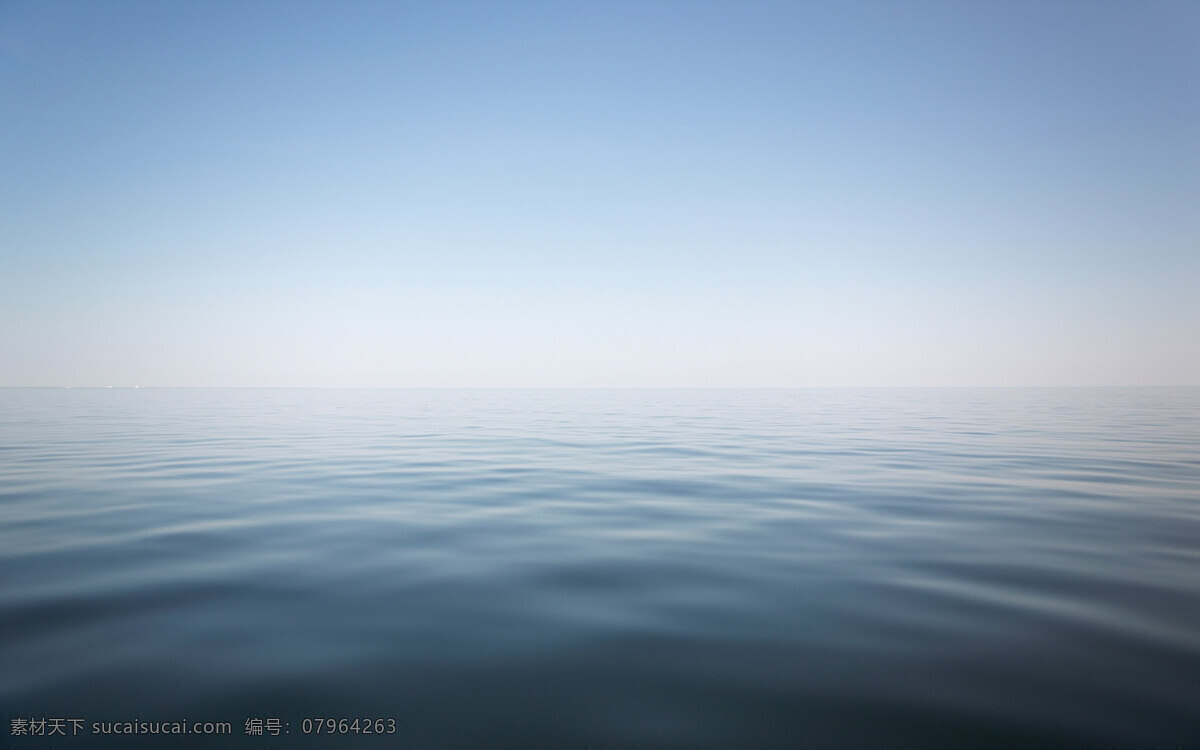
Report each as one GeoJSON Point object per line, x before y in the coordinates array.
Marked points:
{"type": "Point", "coordinates": [583, 387]}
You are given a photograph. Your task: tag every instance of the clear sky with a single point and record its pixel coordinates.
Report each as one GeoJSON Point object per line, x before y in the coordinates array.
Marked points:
{"type": "Point", "coordinates": [606, 193]}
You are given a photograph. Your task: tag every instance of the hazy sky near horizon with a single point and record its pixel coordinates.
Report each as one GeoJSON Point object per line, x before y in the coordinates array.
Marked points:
{"type": "Point", "coordinates": [600, 194]}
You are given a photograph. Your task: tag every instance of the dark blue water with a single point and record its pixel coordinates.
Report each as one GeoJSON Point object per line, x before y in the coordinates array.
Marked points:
{"type": "Point", "coordinates": [604, 569]}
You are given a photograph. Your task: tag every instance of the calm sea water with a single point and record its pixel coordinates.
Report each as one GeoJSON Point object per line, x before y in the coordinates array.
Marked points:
{"type": "Point", "coordinates": [604, 569]}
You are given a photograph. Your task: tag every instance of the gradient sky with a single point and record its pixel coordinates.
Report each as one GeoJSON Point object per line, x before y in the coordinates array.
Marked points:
{"type": "Point", "coordinates": [599, 194]}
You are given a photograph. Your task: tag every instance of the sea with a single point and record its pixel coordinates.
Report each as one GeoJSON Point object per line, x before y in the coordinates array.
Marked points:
{"type": "Point", "coordinates": [680, 568]}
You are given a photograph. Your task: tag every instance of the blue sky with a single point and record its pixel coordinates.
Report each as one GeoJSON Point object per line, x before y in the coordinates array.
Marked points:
{"type": "Point", "coordinates": [599, 194]}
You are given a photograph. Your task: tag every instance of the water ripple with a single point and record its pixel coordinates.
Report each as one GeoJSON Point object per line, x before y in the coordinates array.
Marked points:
{"type": "Point", "coordinates": [616, 568]}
